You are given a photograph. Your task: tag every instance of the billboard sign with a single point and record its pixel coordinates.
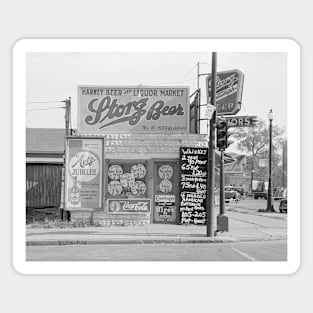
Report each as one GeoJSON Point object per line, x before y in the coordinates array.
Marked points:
{"type": "Point", "coordinates": [83, 179]}
{"type": "Point", "coordinates": [229, 85]}
{"type": "Point", "coordinates": [103, 109]}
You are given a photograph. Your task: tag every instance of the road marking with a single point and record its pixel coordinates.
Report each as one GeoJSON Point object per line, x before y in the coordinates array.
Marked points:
{"type": "Point", "coordinates": [246, 255]}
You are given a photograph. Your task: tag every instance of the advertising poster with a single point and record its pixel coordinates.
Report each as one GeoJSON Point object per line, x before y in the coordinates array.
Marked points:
{"type": "Point", "coordinates": [117, 206]}
{"type": "Point", "coordinates": [166, 190]}
{"type": "Point", "coordinates": [165, 208]}
{"type": "Point", "coordinates": [83, 183]}
{"type": "Point", "coordinates": [133, 109]}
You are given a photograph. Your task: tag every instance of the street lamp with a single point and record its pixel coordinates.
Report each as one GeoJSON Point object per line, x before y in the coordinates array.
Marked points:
{"type": "Point", "coordinates": [270, 207]}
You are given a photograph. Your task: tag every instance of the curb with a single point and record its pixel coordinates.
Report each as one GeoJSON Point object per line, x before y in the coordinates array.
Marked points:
{"type": "Point", "coordinates": [279, 216]}
{"type": "Point", "coordinates": [151, 241]}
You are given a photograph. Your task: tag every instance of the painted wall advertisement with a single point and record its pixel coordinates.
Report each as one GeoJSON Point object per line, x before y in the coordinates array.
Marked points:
{"type": "Point", "coordinates": [128, 206]}
{"type": "Point", "coordinates": [133, 109]}
{"type": "Point", "coordinates": [83, 183]}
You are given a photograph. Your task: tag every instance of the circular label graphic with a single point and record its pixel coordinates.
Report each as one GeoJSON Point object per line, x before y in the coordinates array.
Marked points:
{"type": "Point", "coordinates": [115, 171]}
{"type": "Point", "coordinates": [166, 186]}
{"type": "Point", "coordinates": [114, 206]}
{"type": "Point", "coordinates": [139, 171]}
{"type": "Point", "coordinates": [166, 172]}
{"type": "Point", "coordinates": [84, 165]}
{"type": "Point", "coordinates": [114, 188]}
{"type": "Point", "coordinates": [127, 180]}
{"type": "Point", "coordinates": [139, 188]}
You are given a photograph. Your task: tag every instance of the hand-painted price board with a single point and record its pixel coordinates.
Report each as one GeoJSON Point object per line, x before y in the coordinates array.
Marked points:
{"type": "Point", "coordinates": [193, 185]}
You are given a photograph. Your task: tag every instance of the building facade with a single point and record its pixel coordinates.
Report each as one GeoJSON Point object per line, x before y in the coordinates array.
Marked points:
{"type": "Point", "coordinates": [123, 166]}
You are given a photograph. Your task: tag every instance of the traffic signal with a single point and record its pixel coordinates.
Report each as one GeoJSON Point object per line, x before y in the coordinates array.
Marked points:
{"type": "Point", "coordinates": [222, 135]}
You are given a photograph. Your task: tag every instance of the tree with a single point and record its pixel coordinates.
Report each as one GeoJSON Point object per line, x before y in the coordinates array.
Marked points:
{"type": "Point", "coordinates": [254, 141]}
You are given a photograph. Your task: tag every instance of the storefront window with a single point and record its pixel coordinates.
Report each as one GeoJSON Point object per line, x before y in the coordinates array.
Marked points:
{"type": "Point", "coordinates": [127, 179]}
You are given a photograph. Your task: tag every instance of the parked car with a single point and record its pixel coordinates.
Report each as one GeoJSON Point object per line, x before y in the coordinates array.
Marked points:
{"type": "Point", "coordinates": [283, 206]}
{"type": "Point", "coordinates": [280, 193]}
{"type": "Point", "coordinates": [232, 194]}
{"type": "Point", "coordinates": [241, 190]}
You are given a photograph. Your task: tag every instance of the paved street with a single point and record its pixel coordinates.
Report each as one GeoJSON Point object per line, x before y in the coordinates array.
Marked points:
{"type": "Point", "coordinates": [252, 204]}
{"type": "Point", "coordinates": [252, 236]}
{"type": "Point", "coordinates": [240, 251]}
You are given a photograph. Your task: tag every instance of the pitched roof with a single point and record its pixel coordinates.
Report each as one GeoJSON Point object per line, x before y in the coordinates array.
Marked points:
{"type": "Point", "coordinates": [45, 140]}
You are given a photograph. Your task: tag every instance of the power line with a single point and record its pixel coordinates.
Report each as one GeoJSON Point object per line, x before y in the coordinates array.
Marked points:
{"type": "Point", "coordinates": [186, 75]}
{"type": "Point", "coordinates": [29, 102]}
{"type": "Point", "coordinates": [180, 80]}
{"type": "Point", "coordinates": [45, 109]}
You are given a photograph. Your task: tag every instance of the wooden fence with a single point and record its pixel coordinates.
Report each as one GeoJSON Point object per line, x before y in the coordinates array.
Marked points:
{"type": "Point", "coordinates": [43, 185]}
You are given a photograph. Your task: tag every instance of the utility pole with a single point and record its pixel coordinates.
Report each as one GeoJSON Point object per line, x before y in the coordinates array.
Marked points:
{"type": "Point", "coordinates": [211, 161]}
{"type": "Point", "coordinates": [222, 193]}
{"type": "Point", "coordinates": [67, 115]}
{"type": "Point", "coordinates": [199, 98]}
{"type": "Point", "coordinates": [270, 207]}
{"type": "Point", "coordinates": [65, 215]}
{"type": "Point", "coordinates": [198, 76]}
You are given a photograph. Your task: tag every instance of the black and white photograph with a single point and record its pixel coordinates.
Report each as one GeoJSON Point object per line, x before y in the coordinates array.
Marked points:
{"type": "Point", "coordinates": [160, 156]}
{"type": "Point", "coordinates": [156, 156]}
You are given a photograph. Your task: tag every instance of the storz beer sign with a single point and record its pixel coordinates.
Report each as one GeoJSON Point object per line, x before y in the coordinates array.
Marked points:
{"type": "Point", "coordinates": [229, 86]}
{"type": "Point", "coordinates": [133, 109]}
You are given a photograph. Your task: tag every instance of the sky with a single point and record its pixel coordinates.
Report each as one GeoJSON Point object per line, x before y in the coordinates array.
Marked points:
{"type": "Point", "coordinates": [53, 77]}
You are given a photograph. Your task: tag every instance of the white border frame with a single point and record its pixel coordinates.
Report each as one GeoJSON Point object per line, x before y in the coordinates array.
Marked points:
{"type": "Point", "coordinates": [155, 45]}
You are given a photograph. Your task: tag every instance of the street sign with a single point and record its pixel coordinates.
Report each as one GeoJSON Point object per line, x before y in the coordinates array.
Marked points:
{"type": "Point", "coordinates": [229, 85]}
{"type": "Point", "coordinates": [209, 111]}
{"type": "Point", "coordinates": [241, 121]}
{"type": "Point", "coordinates": [262, 162]}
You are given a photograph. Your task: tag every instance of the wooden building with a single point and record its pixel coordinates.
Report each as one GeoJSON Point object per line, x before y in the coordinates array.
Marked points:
{"type": "Point", "coordinates": [44, 164]}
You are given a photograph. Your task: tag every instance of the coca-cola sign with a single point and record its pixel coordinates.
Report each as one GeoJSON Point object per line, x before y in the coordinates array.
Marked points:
{"type": "Point", "coordinates": [133, 109]}
{"type": "Point", "coordinates": [128, 206]}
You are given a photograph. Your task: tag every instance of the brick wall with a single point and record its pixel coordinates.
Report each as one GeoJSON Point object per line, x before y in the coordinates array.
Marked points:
{"type": "Point", "coordinates": [101, 218]}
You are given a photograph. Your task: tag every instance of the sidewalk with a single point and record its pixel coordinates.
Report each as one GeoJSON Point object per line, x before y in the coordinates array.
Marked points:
{"type": "Point", "coordinates": [242, 227]}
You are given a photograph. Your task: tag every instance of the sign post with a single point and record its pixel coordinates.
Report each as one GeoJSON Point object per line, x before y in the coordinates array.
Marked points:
{"type": "Point", "coordinates": [211, 156]}
{"type": "Point", "coordinates": [225, 92]}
